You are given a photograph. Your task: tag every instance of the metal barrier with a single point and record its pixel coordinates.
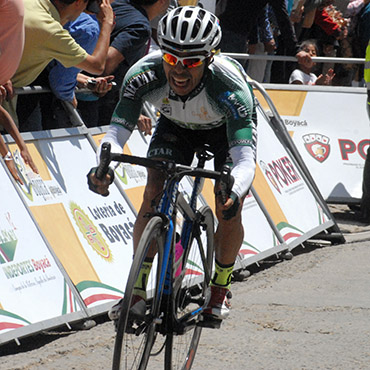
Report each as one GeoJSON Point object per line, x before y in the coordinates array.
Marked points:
{"type": "Point", "coordinates": [285, 58]}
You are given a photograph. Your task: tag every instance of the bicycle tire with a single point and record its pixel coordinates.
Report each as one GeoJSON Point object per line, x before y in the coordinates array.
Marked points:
{"type": "Point", "coordinates": [180, 349]}
{"type": "Point", "coordinates": [134, 342]}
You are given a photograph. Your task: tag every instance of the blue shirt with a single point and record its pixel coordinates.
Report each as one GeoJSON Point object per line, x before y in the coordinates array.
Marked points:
{"type": "Point", "coordinates": [85, 30]}
{"type": "Point", "coordinates": [130, 35]}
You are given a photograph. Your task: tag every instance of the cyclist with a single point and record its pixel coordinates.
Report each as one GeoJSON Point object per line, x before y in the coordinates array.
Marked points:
{"type": "Point", "coordinates": [203, 98]}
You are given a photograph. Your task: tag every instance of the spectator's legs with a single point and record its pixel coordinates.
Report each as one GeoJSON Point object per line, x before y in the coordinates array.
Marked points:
{"type": "Point", "coordinates": [28, 106]}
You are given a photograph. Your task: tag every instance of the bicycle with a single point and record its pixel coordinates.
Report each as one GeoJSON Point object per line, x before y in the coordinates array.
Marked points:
{"type": "Point", "coordinates": [179, 277]}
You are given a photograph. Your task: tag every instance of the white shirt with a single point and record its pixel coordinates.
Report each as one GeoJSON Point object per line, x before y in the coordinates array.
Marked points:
{"type": "Point", "coordinates": [306, 79]}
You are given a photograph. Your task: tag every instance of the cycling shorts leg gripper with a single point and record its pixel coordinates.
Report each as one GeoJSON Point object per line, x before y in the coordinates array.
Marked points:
{"type": "Point", "coordinates": [142, 279]}
{"type": "Point", "coordinates": [222, 275]}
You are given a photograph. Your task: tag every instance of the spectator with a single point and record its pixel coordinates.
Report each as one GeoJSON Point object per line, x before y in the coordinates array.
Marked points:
{"type": "Point", "coordinates": [303, 27]}
{"type": "Point", "coordinates": [11, 47]}
{"type": "Point", "coordinates": [62, 81]}
{"type": "Point", "coordinates": [303, 75]}
{"type": "Point", "coordinates": [129, 42]}
{"type": "Point", "coordinates": [365, 33]}
{"type": "Point", "coordinates": [261, 41]}
{"type": "Point", "coordinates": [237, 21]}
{"type": "Point", "coordinates": [47, 40]}
{"type": "Point", "coordinates": [364, 27]}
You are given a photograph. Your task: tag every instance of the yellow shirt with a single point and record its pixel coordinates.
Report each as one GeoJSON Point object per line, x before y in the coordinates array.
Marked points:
{"type": "Point", "coordinates": [367, 66]}
{"type": "Point", "coordinates": [45, 40]}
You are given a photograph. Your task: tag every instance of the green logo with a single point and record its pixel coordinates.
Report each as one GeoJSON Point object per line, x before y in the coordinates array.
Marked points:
{"type": "Point", "coordinates": [8, 244]}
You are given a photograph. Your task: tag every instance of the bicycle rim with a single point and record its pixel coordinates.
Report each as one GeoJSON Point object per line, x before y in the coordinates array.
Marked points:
{"type": "Point", "coordinates": [136, 337]}
{"type": "Point", "coordinates": [181, 349]}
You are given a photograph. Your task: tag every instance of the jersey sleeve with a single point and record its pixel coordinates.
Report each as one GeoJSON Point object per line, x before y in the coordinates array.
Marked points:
{"type": "Point", "coordinates": [236, 100]}
{"type": "Point", "coordinates": [141, 80]}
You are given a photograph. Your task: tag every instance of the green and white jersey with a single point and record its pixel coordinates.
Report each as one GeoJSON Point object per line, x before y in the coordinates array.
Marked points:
{"type": "Point", "coordinates": [222, 97]}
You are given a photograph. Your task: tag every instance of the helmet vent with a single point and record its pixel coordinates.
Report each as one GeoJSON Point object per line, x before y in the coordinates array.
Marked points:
{"type": "Point", "coordinates": [173, 28]}
{"type": "Point", "coordinates": [196, 28]}
{"type": "Point", "coordinates": [207, 30]}
{"type": "Point", "coordinates": [184, 30]}
{"type": "Point", "coordinates": [188, 13]}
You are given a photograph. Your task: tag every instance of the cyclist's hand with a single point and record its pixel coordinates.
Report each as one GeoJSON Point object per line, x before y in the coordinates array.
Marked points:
{"type": "Point", "coordinates": [100, 186]}
{"type": "Point", "coordinates": [231, 206]}
{"type": "Point", "coordinates": [144, 124]}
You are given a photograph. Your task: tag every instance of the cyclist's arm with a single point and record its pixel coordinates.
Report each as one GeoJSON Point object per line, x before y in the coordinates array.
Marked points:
{"type": "Point", "coordinates": [242, 136]}
{"type": "Point", "coordinates": [244, 166]}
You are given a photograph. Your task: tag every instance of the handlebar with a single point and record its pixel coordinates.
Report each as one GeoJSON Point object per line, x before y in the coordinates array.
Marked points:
{"type": "Point", "coordinates": [169, 167]}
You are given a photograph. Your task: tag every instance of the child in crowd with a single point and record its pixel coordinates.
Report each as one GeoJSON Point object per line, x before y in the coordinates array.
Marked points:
{"type": "Point", "coordinates": [303, 75]}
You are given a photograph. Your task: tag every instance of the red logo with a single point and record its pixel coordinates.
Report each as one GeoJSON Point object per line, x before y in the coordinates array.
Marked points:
{"type": "Point", "coordinates": [317, 146]}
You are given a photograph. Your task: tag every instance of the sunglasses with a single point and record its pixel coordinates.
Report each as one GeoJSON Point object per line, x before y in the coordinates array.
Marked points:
{"type": "Point", "coordinates": [187, 62]}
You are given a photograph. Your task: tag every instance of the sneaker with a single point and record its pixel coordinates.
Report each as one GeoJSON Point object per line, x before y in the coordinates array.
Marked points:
{"type": "Point", "coordinates": [217, 304]}
{"type": "Point", "coordinates": [137, 310]}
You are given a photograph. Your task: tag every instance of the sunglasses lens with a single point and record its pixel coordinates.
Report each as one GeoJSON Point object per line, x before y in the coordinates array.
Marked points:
{"type": "Point", "coordinates": [170, 59]}
{"type": "Point", "coordinates": [192, 62]}
{"type": "Point", "coordinates": [186, 62]}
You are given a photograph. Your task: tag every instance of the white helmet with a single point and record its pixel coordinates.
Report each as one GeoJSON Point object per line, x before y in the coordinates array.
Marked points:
{"type": "Point", "coordinates": [189, 29]}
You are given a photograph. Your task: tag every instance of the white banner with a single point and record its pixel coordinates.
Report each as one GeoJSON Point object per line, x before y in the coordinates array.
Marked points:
{"type": "Point", "coordinates": [32, 288]}
{"type": "Point", "coordinates": [91, 234]}
{"type": "Point", "coordinates": [330, 129]}
{"type": "Point", "coordinates": [288, 193]}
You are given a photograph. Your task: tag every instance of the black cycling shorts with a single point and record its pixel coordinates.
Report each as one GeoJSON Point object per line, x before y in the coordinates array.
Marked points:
{"type": "Point", "coordinates": [171, 141]}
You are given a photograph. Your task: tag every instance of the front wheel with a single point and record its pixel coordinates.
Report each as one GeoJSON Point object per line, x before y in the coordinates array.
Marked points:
{"type": "Point", "coordinates": [136, 331]}
{"type": "Point", "coordinates": [182, 343]}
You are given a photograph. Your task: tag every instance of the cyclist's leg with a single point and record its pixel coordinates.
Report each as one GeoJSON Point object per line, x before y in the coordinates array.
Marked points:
{"type": "Point", "coordinates": [168, 142]}
{"type": "Point", "coordinates": [228, 239]}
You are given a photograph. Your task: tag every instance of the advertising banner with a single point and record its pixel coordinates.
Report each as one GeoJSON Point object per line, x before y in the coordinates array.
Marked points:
{"type": "Point", "coordinates": [330, 129]}
{"type": "Point", "coordinates": [32, 287]}
{"type": "Point", "coordinates": [90, 234]}
{"type": "Point", "coordinates": [283, 190]}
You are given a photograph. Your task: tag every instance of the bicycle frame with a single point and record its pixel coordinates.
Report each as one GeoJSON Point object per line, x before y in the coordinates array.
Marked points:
{"type": "Point", "coordinates": [167, 209]}
{"type": "Point", "coordinates": [172, 199]}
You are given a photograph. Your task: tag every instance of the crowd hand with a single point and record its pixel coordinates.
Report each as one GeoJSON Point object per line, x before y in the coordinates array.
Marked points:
{"type": "Point", "coordinates": [106, 13]}
{"type": "Point", "coordinates": [144, 125]}
{"type": "Point", "coordinates": [101, 85]}
{"type": "Point", "coordinates": [343, 33]}
{"type": "Point", "coordinates": [270, 46]}
{"type": "Point", "coordinates": [305, 59]}
{"type": "Point", "coordinates": [74, 101]}
{"type": "Point", "coordinates": [25, 154]}
{"type": "Point", "coordinates": [13, 170]}
{"type": "Point", "coordinates": [327, 79]}
{"type": "Point", "coordinates": [6, 92]}
{"type": "Point", "coordinates": [296, 15]}
{"type": "Point", "coordinates": [100, 186]}
{"type": "Point", "coordinates": [2, 94]}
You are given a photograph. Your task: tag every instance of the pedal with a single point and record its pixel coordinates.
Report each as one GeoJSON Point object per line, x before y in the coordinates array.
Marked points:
{"type": "Point", "coordinates": [207, 321]}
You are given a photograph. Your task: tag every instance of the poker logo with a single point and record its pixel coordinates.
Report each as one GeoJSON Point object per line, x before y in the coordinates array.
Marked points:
{"type": "Point", "coordinates": [317, 146]}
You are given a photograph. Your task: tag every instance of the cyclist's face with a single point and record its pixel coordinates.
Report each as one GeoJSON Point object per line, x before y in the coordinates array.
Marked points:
{"type": "Point", "coordinates": [182, 79]}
